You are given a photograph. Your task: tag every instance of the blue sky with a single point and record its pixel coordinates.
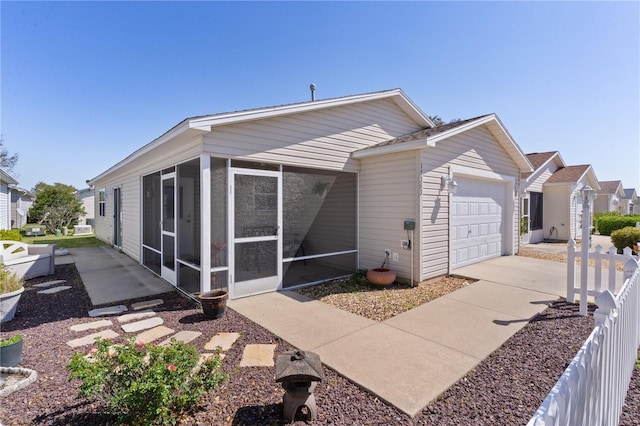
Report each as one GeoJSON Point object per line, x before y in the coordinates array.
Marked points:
{"type": "Point", "coordinates": [84, 84]}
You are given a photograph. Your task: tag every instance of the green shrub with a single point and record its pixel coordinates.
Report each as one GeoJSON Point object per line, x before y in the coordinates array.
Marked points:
{"type": "Point", "coordinates": [143, 383]}
{"type": "Point", "coordinates": [10, 341]}
{"type": "Point", "coordinates": [625, 237]}
{"type": "Point", "coordinates": [9, 282]}
{"type": "Point", "coordinates": [607, 224]}
{"type": "Point", "coordinates": [10, 234]}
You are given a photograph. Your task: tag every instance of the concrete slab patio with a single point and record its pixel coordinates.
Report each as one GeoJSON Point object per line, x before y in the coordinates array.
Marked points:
{"type": "Point", "coordinates": [110, 276]}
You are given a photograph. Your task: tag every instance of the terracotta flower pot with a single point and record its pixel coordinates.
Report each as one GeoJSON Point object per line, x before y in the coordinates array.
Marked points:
{"type": "Point", "coordinates": [381, 276]}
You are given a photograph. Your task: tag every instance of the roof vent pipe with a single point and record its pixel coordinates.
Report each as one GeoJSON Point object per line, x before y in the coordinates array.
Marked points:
{"type": "Point", "coordinates": [313, 91]}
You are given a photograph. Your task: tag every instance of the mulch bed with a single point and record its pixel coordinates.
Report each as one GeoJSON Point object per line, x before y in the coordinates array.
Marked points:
{"type": "Point", "coordinates": [506, 388]}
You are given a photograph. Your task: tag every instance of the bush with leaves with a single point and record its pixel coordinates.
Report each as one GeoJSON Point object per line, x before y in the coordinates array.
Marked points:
{"type": "Point", "coordinates": [9, 282]}
{"type": "Point", "coordinates": [143, 383]}
{"type": "Point", "coordinates": [625, 237]}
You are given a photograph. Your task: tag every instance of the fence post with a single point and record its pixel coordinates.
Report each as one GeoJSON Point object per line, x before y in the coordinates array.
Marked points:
{"type": "Point", "coordinates": [630, 267]}
{"type": "Point", "coordinates": [588, 194]}
{"type": "Point", "coordinates": [571, 271]}
{"type": "Point", "coordinates": [606, 302]}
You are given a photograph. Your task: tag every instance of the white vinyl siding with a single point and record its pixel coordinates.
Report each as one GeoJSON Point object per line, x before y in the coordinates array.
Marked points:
{"type": "Point", "coordinates": [128, 180]}
{"type": "Point", "coordinates": [389, 194]}
{"type": "Point", "coordinates": [5, 202]}
{"type": "Point", "coordinates": [556, 212]}
{"type": "Point", "coordinates": [321, 139]}
{"type": "Point", "coordinates": [475, 150]}
{"type": "Point", "coordinates": [537, 181]}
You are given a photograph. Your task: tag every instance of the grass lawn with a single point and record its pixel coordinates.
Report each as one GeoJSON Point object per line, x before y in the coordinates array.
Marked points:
{"type": "Point", "coordinates": [65, 241]}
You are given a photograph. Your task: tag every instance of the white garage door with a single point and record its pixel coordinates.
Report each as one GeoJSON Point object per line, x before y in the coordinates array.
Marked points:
{"type": "Point", "coordinates": [477, 211]}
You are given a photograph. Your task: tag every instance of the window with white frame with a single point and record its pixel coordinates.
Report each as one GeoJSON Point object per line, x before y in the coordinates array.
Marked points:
{"type": "Point", "coordinates": [102, 201]}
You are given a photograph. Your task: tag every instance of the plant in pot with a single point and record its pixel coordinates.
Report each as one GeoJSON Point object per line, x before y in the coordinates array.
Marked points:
{"type": "Point", "coordinates": [213, 302]}
{"type": "Point", "coordinates": [11, 288]}
{"type": "Point", "coordinates": [382, 276]}
{"type": "Point", "coordinates": [11, 351]}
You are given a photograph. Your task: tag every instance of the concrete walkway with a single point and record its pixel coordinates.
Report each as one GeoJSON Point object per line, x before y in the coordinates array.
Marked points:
{"type": "Point", "coordinates": [409, 360]}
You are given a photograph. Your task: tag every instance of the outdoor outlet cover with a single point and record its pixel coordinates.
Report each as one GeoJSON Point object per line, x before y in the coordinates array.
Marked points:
{"type": "Point", "coordinates": [395, 256]}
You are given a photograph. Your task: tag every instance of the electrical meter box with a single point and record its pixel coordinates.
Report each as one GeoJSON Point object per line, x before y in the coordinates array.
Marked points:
{"type": "Point", "coordinates": [409, 225]}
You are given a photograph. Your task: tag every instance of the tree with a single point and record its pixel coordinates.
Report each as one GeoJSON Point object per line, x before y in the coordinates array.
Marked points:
{"type": "Point", "coordinates": [439, 122]}
{"type": "Point", "coordinates": [56, 206]}
{"type": "Point", "coordinates": [7, 161]}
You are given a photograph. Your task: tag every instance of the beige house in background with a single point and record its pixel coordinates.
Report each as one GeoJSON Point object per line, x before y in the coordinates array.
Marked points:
{"type": "Point", "coordinates": [609, 197]}
{"type": "Point", "coordinates": [552, 204]}
{"type": "Point", "coordinates": [280, 197]}
{"type": "Point", "coordinates": [630, 203]}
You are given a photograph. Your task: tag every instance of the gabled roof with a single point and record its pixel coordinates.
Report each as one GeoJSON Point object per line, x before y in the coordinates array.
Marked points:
{"type": "Point", "coordinates": [540, 159]}
{"type": "Point", "coordinates": [203, 124]}
{"type": "Point", "coordinates": [430, 136]}
{"type": "Point", "coordinates": [630, 193]}
{"type": "Point", "coordinates": [22, 191]}
{"type": "Point", "coordinates": [569, 175]}
{"type": "Point", "coordinates": [6, 178]}
{"type": "Point", "coordinates": [611, 187]}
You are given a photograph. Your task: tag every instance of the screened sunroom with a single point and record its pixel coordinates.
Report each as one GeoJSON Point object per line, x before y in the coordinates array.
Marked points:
{"type": "Point", "coordinates": [248, 227]}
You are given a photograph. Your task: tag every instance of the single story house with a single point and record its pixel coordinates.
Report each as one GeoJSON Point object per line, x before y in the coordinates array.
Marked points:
{"type": "Point", "coordinates": [21, 202]}
{"type": "Point", "coordinates": [279, 197]}
{"type": "Point", "coordinates": [629, 203]}
{"type": "Point", "coordinates": [608, 198]}
{"type": "Point", "coordinates": [87, 197]}
{"type": "Point", "coordinates": [5, 199]}
{"type": "Point", "coordinates": [551, 199]}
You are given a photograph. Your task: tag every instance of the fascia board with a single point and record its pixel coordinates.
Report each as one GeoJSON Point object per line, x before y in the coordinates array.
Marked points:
{"type": "Point", "coordinates": [206, 123]}
{"type": "Point", "coordinates": [177, 130]}
{"type": "Point", "coordinates": [389, 149]}
{"type": "Point", "coordinates": [6, 177]}
{"type": "Point", "coordinates": [520, 158]}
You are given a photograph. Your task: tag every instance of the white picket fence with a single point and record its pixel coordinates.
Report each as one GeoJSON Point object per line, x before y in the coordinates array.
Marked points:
{"type": "Point", "coordinates": [592, 389]}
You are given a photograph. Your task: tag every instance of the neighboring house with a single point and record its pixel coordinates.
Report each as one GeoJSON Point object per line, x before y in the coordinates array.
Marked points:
{"type": "Point", "coordinates": [21, 202]}
{"type": "Point", "coordinates": [87, 197]}
{"type": "Point", "coordinates": [551, 201]}
{"type": "Point", "coordinates": [629, 203]}
{"type": "Point", "coordinates": [5, 199]}
{"type": "Point", "coordinates": [274, 198]}
{"type": "Point", "coordinates": [609, 197]}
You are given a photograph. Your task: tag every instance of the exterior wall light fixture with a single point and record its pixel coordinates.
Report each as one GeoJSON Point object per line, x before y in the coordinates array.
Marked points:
{"type": "Point", "coordinates": [449, 184]}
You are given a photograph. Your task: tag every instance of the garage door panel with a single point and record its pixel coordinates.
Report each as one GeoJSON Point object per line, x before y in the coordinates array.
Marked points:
{"type": "Point", "coordinates": [476, 221]}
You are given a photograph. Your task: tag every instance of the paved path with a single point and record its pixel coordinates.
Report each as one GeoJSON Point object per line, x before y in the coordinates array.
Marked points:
{"type": "Point", "coordinates": [409, 360]}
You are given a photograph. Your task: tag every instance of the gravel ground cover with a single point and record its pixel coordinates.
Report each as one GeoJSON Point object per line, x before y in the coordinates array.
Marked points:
{"type": "Point", "coordinates": [506, 388]}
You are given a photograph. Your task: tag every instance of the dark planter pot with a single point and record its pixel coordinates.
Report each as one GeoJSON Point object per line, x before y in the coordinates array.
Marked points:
{"type": "Point", "coordinates": [11, 355]}
{"type": "Point", "coordinates": [381, 276]}
{"type": "Point", "coordinates": [213, 303]}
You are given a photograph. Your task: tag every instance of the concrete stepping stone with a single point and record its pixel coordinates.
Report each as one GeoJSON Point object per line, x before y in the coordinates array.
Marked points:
{"type": "Point", "coordinates": [258, 356]}
{"type": "Point", "coordinates": [49, 283]}
{"type": "Point", "coordinates": [155, 333]}
{"type": "Point", "coordinates": [146, 304]}
{"type": "Point", "coordinates": [109, 310]}
{"type": "Point", "coordinates": [91, 338]}
{"type": "Point", "coordinates": [91, 325]}
{"type": "Point", "coordinates": [183, 336]}
{"type": "Point", "coordinates": [135, 316]}
{"type": "Point", "coordinates": [224, 340]}
{"type": "Point", "coordinates": [55, 289]}
{"type": "Point", "coordinates": [144, 324]}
